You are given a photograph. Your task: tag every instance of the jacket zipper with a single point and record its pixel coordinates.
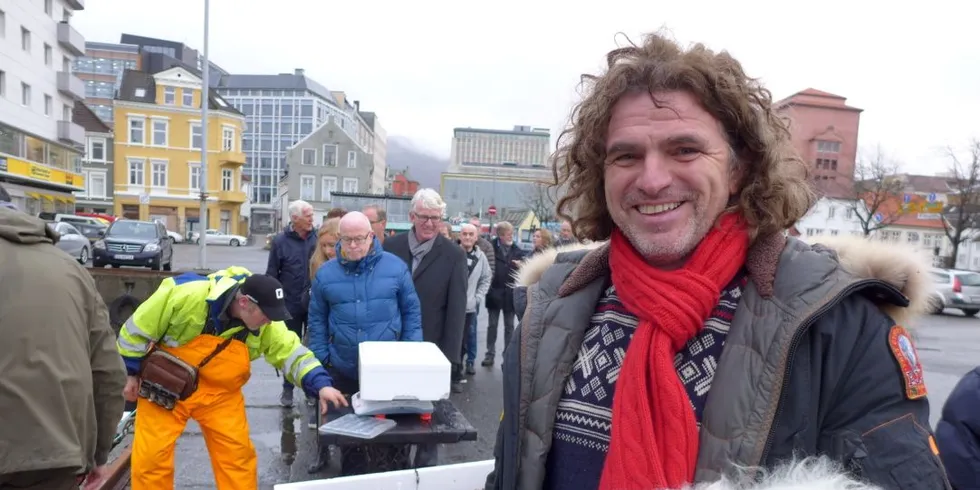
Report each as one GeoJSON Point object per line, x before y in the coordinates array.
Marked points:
{"type": "Point", "coordinates": [797, 338]}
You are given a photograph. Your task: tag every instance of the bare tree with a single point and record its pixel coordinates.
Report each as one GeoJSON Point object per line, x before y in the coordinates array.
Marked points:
{"type": "Point", "coordinates": [876, 194]}
{"type": "Point", "coordinates": [538, 198]}
{"type": "Point", "coordinates": [962, 217]}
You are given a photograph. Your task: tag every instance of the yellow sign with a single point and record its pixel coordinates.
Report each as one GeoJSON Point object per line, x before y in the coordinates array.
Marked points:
{"type": "Point", "coordinates": [41, 172]}
{"type": "Point", "coordinates": [924, 207]}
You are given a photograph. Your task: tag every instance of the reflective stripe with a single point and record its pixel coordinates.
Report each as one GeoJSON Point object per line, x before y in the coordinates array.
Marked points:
{"type": "Point", "coordinates": [133, 329]}
{"type": "Point", "coordinates": [171, 341]}
{"type": "Point", "coordinates": [307, 365]}
{"type": "Point", "coordinates": [136, 347]}
{"type": "Point", "coordinates": [299, 352]}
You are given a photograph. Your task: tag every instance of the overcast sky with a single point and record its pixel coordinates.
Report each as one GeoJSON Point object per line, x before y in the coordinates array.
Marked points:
{"type": "Point", "coordinates": [428, 66]}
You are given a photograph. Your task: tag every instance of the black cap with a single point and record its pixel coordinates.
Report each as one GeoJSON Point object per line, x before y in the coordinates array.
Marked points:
{"type": "Point", "coordinates": [267, 293]}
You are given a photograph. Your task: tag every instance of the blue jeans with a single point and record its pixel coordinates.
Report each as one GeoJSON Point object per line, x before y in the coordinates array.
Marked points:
{"type": "Point", "coordinates": [469, 338]}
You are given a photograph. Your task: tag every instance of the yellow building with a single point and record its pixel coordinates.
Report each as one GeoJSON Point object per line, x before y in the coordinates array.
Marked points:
{"type": "Point", "coordinates": [158, 153]}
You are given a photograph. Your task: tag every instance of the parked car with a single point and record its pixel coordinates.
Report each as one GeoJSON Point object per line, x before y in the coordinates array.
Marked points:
{"type": "Point", "coordinates": [175, 237]}
{"type": "Point", "coordinates": [72, 241]}
{"type": "Point", "coordinates": [135, 243]}
{"type": "Point", "coordinates": [215, 237]}
{"type": "Point", "coordinates": [957, 289]}
{"type": "Point", "coordinates": [94, 233]}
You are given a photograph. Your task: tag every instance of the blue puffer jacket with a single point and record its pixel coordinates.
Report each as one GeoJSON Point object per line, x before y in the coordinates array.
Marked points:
{"type": "Point", "coordinates": [958, 433]}
{"type": "Point", "coordinates": [372, 299]}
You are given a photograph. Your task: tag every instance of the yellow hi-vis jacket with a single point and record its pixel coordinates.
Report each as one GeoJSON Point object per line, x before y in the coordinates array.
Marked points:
{"type": "Point", "coordinates": [179, 310]}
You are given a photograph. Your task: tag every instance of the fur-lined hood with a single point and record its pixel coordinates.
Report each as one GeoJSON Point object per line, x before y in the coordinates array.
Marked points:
{"type": "Point", "coordinates": [896, 264]}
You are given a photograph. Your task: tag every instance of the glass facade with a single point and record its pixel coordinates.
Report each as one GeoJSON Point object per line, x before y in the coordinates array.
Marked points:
{"type": "Point", "coordinates": [471, 196]}
{"type": "Point", "coordinates": [275, 120]}
{"type": "Point", "coordinates": [17, 144]}
{"type": "Point", "coordinates": [85, 67]}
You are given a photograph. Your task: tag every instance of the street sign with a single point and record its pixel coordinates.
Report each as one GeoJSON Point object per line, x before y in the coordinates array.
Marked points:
{"type": "Point", "coordinates": [932, 197]}
{"type": "Point", "coordinates": [492, 210]}
{"type": "Point", "coordinates": [879, 217]}
{"type": "Point", "coordinates": [144, 199]}
{"type": "Point", "coordinates": [907, 199]}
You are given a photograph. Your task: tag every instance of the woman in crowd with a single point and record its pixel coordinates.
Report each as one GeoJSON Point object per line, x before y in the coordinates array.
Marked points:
{"type": "Point", "coordinates": [326, 242]}
{"type": "Point", "coordinates": [542, 240]}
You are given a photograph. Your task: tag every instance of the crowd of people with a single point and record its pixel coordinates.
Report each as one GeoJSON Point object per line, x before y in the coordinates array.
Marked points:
{"type": "Point", "coordinates": [688, 339]}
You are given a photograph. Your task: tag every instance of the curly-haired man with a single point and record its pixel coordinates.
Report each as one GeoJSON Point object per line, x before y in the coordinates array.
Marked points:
{"type": "Point", "coordinates": [694, 337]}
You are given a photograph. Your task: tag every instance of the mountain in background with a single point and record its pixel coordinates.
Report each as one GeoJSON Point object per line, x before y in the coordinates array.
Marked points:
{"type": "Point", "coordinates": [422, 165]}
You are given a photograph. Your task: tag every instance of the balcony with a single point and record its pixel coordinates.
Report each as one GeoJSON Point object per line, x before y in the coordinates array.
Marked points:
{"type": "Point", "coordinates": [232, 196]}
{"type": "Point", "coordinates": [231, 158]}
{"type": "Point", "coordinates": [71, 133]}
{"type": "Point", "coordinates": [70, 39]}
{"type": "Point", "coordinates": [71, 85]}
{"type": "Point", "coordinates": [76, 4]}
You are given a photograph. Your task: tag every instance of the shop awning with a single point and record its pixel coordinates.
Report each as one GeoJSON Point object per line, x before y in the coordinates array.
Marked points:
{"type": "Point", "coordinates": [47, 198]}
{"type": "Point", "coordinates": [33, 195]}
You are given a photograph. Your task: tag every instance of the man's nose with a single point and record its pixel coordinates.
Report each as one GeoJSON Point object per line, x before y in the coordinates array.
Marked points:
{"type": "Point", "coordinates": [655, 174]}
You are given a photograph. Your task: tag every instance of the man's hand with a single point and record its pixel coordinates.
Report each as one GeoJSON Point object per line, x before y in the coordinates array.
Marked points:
{"type": "Point", "coordinates": [331, 395]}
{"type": "Point", "coordinates": [96, 477]}
{"type": "Point", "coordinates": [132, 390]}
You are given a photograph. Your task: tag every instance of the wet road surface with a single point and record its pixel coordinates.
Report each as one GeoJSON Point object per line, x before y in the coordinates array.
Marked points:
{"type": "Point", "coordinates": [286, 447]}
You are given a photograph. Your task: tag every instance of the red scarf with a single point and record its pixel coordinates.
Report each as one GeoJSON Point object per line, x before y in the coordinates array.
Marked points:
{"type": "Point", "coordinates": [654, 442]}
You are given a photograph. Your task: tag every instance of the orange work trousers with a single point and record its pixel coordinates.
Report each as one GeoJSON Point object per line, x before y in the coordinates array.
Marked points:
{"type": "Point", "coordinates": [218, 406]}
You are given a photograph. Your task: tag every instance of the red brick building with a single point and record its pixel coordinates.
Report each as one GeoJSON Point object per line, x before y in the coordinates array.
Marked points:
{"type": "Point", "coordinates": [402, 186]}
{"type": "Point", "coordinates": [825, 133]}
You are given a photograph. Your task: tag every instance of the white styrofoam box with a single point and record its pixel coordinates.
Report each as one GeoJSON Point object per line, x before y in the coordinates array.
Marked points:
{"type": "Point", "coordinates": [462, 476]}
{"type": "Point", "coordinates": [403, 371]}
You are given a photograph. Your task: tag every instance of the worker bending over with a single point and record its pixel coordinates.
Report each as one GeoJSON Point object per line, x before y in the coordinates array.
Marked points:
{"type": "Point", "coordinates": [188, 350]}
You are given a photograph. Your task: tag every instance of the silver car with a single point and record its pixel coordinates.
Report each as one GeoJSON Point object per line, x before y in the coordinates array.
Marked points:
{"type": "Point", "coordinates": [72, 241]}
{"type": "Point", "coordinates": [957, 289]}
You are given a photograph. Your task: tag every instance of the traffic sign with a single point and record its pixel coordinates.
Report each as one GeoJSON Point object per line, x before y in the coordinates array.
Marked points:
{"type": "Point", "coordinates": [144, 199]}
{"type": "Point", "coordinates": [932, 197]}
{"type": "Point", "coordinates": [492, 210]}
{"type": "Point", "coordinates": [879, 217]}
{"type": "Point", "coordinates": [908, 198]}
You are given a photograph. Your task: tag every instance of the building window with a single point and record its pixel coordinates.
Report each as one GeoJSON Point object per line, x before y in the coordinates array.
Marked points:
{"type": "Point", "coordinates": [188, 95]}
{"type": "Point", "coordinates": [330, 155]}
{"type": "Point", "coordinates": [137, 135]}
{"type": "Point", "coordinates": [3, 24]}
{"type": "Point", "coordinates": [195, 180]}
{"type": "Point", "coordinates": [49, 7]}
{"type": "Point", "coordinates": [48, 102]}
{"type": "Point", "coordinates": [96, 150]}
{"type": "Point", "coordinates": [196, 136]}
{"type": "Point", "coordinates": [226, 176]}
{"type": "Point", "coordinates": [95, 184]}
{"type": "Point", "coordinates": [66, 112]}
{"type": "Point", "coordinates": [158, 170]}
{"type": "Point", "coordinates": [351, 159]}
{"type": "Point", "coordinates": [827, 164]}
{"type": "Point", "coordinates": [329, 187]}
{"type": "Point", "coordinates": [227, 139]}
{"type": "Point", "coordinates": [307, 187]}
{"type": "Point", "coordinates": [169, 96]}
{"type": "Point", "coordinates": [3, 83]}
{"type": "Point", "coordinates": [912, 237]}
{"type": "Point", "coordinates": [25, 39]}
{"type": "Point", "coordinates": [350, 185]}
{"type": "Point", "coordinates": [160, 127]}
{"type": "Point", "coordinates": [25, 94]}
{"type": "Point", "coordinates": [834, 232]}
{"type": "Point", "coordinates": [309, 156]}
{"type": "Point", "coordinates": [136, 171]}
{"type": "Point", "coordinates": [828, 146]}
{"type": "Point", "coordinates": [66, 67]}
{"type": "Point", "coordinates": [831, 212]}
{"type": "Point", "coordinates": [48, 55]}
{"type": "Point", "coordinates": [850, 213]}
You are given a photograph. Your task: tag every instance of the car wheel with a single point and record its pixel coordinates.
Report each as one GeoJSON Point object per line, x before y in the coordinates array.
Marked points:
{"type": "Point", "coordinates": [83, 256]}
{"type": "Point", "coordinates": [970, 312]}
{"type": "Point", "coordinates": [234, 243]}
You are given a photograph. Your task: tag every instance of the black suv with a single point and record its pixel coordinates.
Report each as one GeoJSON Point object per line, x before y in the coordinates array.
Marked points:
{"type": "Point", "coordinates": [134, 243]}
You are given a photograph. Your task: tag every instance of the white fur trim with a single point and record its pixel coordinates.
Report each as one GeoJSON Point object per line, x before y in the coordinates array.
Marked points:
{"type": "Point", "coordinates": [532, 268]}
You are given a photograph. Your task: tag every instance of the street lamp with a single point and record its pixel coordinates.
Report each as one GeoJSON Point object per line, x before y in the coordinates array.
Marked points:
{"type": "Point", "coordinates": [202, 242]}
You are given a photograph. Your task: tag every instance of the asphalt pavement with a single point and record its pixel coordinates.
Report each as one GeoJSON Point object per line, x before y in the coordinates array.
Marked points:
{"type": "Point", "coordinates": [286, 448]}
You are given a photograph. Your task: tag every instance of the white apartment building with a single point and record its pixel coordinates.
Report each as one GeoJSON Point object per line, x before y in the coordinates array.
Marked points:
{"type": "Point", "coordinates": [830, 216]}
{"type": "Point", "coordinates": [523, 147]}
{"type": "Point", "coordinates": [40, 147]}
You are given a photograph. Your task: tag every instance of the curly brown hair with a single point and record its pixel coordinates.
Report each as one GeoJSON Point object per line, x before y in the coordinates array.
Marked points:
{"type": "Point", "coordinates": [775, 192]}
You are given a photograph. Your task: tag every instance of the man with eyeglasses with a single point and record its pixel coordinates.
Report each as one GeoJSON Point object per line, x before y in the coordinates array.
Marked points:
{"type": "Point", "coordinates": [365, 294]}
{"type": "Point", "coordinates": [440, 273]}
{"type": "Point", "coordinates": [379, 220]}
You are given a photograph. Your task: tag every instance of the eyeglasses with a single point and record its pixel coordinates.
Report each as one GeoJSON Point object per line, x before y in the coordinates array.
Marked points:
{"type": "Point", "coordinates": [423, 218]}
{"type": "Point", "coordinates": [354, 240]}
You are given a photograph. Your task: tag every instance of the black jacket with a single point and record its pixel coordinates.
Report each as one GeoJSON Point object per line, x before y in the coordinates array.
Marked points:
{"type": "Point", "coordinates": [958, 433]}
{"type": "Point", "coordinates": [289, 262]}
{"type": "Point", "coordinates": [440, 281]}
{"type": "Point", "coordinates": [501, 293]}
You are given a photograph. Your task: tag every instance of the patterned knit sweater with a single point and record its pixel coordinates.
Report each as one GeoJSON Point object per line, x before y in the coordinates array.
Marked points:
{"type": "Point", "coordinates": [584, 416]}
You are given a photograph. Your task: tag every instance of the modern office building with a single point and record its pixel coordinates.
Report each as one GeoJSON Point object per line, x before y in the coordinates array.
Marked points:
{"type": "Point", "coordinates": [489, 167]}
{"type": "Point", "coordinates": [280, 110]}
{"type": "Point", "coordinates": [103, 64]}
{"type": "Point", "coordinates": [40, 146]}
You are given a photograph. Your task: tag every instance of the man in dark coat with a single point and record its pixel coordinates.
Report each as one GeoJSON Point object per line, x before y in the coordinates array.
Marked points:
{"type": "Point", "coordinates": [289, 262]}
{"type": "Point", "coordinates": [439, 271]}
{"type": "Point", "coordinates": [500, 300]}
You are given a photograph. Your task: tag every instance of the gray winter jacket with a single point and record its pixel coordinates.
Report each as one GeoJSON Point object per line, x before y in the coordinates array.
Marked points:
{"type": "Point", "coordinates": [806, 370]}
{"type": "Point", "coordinates": [478, 282]}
